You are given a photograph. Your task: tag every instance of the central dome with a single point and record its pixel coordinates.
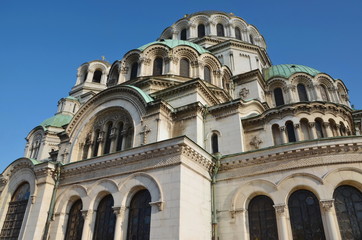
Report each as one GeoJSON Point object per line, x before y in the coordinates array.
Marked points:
{"type": "Point", "coordinates": [287, 70]}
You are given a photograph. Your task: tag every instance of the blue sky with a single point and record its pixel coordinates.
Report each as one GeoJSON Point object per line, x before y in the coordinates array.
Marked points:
{"type": "Point", "coordinates": [42, 43]}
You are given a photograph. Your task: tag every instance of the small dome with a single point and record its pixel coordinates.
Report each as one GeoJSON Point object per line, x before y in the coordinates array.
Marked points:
{"type": "Point", "coordinates": [287, 70]}
{"type": "Point", "coordinates": [174, 43]}
{"type": "Point", "coordinates": [57, 120]}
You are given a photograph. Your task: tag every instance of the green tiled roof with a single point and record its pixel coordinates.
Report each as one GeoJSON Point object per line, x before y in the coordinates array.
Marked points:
{"type": "Point", "coordinates": [174, 43]}
{"type": "Point", "coordinates": [57, 120]}
{"type": "Point", "coordinates": [287, 70]}
{"type": "Point", "coordinates": [145, 96]}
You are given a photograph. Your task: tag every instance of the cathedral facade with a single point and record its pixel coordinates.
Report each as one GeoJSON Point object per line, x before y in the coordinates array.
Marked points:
{"type": "Point", "coordinates": [193, 136]}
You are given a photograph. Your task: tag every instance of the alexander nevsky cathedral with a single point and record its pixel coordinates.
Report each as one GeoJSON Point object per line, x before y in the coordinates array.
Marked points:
{"type": "Point", "coordinates": [195, 136]}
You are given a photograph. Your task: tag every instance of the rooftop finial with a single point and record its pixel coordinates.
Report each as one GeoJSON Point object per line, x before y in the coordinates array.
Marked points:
{"type": "Point", "coordinates": [103, 58]}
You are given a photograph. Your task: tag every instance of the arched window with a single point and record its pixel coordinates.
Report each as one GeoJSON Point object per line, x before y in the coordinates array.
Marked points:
{"type": "Point", "coordinates": [276, 134]}
{"type": "Point", "coordinates": [120, 137]}
{"type": "Point", "coordinates": [97, 76]}
{"type": "Point", "coordinates": [35, 146]}
{"type": "Point", "coordinates": [304, 126]}
{"type": "Point", "coordinates": [220, 30]}
{"type": "Point", "coordinates": [207, 74]}
{"type": "Point", "coordinates": [96, 142]}
{"type": "Point", "coordinates": [107, 145]}
{"type": "Point", "coordinates": [348, 205]}
{"type": "Point", "coordinates": [305, 216]}
{"type": "Point", "coordinates": [278, 97]}
{"type": "Point", "coordinates": [333, 127]}
{"type": "Point", "coordinates": [75, 222]}
{"type": "Point", "coordinates": [139, 220]}
{"type": "Point", "coordinates": [16, 210]}
{"type": "Point", "coordinates": [134, 70]}
{"type": "Point", "coordinates": [342, 129]}
{"type": "Point", "coordinates": [201, 30]}
{"type": "Point", "coordinates": [262, 220]}
{"type": "Point", "coordinates": [105, 219]}
{"type": "Point", "coordinates": [324, 93]}
{"type": "Point", "coordinates": [251, 39]}
{"type": "Point", "coordinates": [319, 128]}
{"type": "Point", "coordinates": [238, 33]}
{"type": "Point", "coordinates": [302, 93]}
{"type": "Point", "coordinates": [290, 131]}
{"type": "Point", "coordinates": [214, 143]}
{"type": "Point", "coordinates": [183, 34]}
{"type": "Point", "coordinates": [85, 75]}
{"type": "Point", "coordinates": [184, 67]}
{"type": "Point", "coordinates": [157, 66]}
{"type": "Point", "coordinates": [86, 146]}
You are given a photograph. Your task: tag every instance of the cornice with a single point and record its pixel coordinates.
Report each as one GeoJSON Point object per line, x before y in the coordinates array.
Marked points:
{"type": "Point", "coordinates": [293, 156]}
{"type": "Point", "coordinates": [190, 85]}
{"type": "Point", "coordinates": [150, 156]}
{"type": "Point", "coordinates": [188, 111]}
{"type": "Point", "coordinates": [246, 77]}
{"type": "Point", "coordinates": [296, 108]}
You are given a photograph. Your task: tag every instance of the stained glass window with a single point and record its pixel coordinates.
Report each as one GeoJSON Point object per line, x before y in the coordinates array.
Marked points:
{"type": "Point", "coordinates": [262, 220]}
{"type": "Point", "coordinates": [348, 205]}
{"type": "Point", "coordinates": [139, 221]}
{"type": "Point", "coordinates": [305, 216]}
{"type": "Point", "coordinates": [75, 222]}
{"type": "Point", "coordinates": [15, 214]}
{"type": "Point", "coordinates": [105, 220]}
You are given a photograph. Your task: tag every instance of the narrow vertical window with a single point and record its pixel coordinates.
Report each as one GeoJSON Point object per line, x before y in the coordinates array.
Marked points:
{"type": "Point", "coordinates": [278, 97]}
{"type": "Point", "coordinates": [15, 214]}
{"type": "Point", "coordinates": [302, 93]}
{"type": "Point", "coordinates": [214, 143]}
{"type": "Point", "coordinates": [120, 137]}
{"type": "Point", "coordinates": [105, 219]}
{"type": "Point", "coordinates": [305, 215]}
{"type": "Point", "coordinates": [96, 143]}
{"type": "Point", "coordinates": [157, 66]}
{"type": "Point", "coordinates": [238, 33]}
{"type": "Point", "coordinates": [276, 134]}
{"type": "Point", "coordinates": [97, 76]}
{"type": "Point", "coordinates": [207, 74]}
{"type": "Point", "coordinates": [319, 128]}
{"type": "Point", "coordinates": [75, 222]}
{"type": "Point", "coordinates": [304, 126]}
{"type": "Point", "coordinates": [184, 67]}
{"type": "Point", "coordinates": [139, 221]}
{"type": "Point", "coordinates": [85, 75]}
{"type": "Point", "coordinates": [107, 145]}
{"type": "Point", "coordinates": [348, 205]}
{"type": "Point", "coordinates": [251, 39]}
{"type": "Point", "coordinates": [113, 77]}
{"type": "Point", "coordinates": [290, 131]}
{"type": "Point", "coordinates": [134, 70]}
{"type": "Point", "coordinates": [183, 34]}
{"type": "Point", "coordinates": [220, 30]}
{"type": "Point", "coordinates": [201, 30]}
{"type": "Point", "coordinates": [262, 219]}
{"type": "Point", "coordinates": [324, 93]}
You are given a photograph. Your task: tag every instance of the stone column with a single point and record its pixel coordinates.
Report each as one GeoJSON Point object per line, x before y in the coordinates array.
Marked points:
{"type": "Point", "coordinates": [330, 221]}
{"type": "Point", "coordinates": [283, 135]}
{"type": "Point", "coordinates": [328, 130]}
{"type": "Point", "coordinates": [87, 232]}
{"type": "Point", "coordinates": [119, 212]}
{"type": "Point", "coordinates": [313, 132]}
{"type": "Point", "coordinates": [297, 132]}
{"type": "Point", "coordinates": [281, 221]}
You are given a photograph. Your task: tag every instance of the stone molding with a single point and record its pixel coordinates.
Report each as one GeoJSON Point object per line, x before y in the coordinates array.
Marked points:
{"type": "Point", "coordinates": [327, 205]}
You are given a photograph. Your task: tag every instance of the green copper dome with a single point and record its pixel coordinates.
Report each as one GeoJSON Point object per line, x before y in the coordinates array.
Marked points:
{"type": "Point", "coordinates": [57, 120]}
{"type": "Point", "coordinates": [287, 70]}
{"type": "Point", "coordinates": [174, 43]}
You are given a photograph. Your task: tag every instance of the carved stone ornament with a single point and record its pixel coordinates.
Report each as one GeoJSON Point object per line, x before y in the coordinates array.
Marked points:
{"type": "Point", "coordinates": [86, 213]}
{"type": "Point", "coordinates": [159, 204]}
{"type": "Point", "coordinates": [244, 93]}
{"type": "Point", "coordinates": [144, 134]}
{"type": "Point", "coordinates": [119, 210]}
{"type": "Point", "coordinates": [256, 141]}
{"type": "Point", "coordinates": [234, 212]}
{"type": "Point", "coordinates": [327, 204]}
{"type": "Point", "coordinates": [280, 209]}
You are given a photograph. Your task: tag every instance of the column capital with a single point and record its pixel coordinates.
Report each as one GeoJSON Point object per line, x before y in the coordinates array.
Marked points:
{"type": "Point", "coordinates": [280, 209]}
{"type": "Point", "coordinates": [119, 210]}
{"type": "Point", "coordinates": [87, 213]}
{"type": "Point", "coordinates": [326, 204]}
